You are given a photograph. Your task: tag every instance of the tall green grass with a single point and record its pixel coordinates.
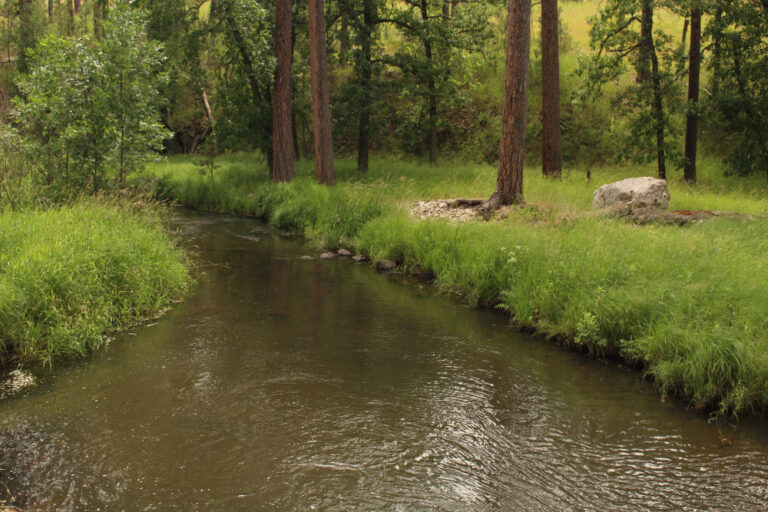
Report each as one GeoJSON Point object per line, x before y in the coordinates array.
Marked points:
{"type": "Point", "coordinates": [68, 276]}
{"type": "Point", "coordinates": [689, 304]}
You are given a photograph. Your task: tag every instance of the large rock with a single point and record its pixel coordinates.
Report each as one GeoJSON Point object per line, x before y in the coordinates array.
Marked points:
{"type": "Point", "coordinates": [633, 192]}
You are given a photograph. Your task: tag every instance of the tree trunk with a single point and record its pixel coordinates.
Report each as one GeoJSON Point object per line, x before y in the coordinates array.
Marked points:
{"type": "Point", "coordinates": [550, 85]}
{"type": "Point", "coordinates": [649, 51]}
{"type": "Point", "coordinates": [77, 6]}
{"type": "Point", "coordinates": [282, 132]}
{"type": "Point", "coordinates": [694, 71]}
{"type": "Point", "coordinates": [50, 11]}
{"type": "Point", "coordinates": [366, 75]}
{"type": "Point", "coordinates": [344, 31]}
{"type": "Point", "coordinates": [25, 35]}
{"type": "Point", "coordinates": [717, 54]}
{"type": "Point", "coordinates": [321, 106]}
{"type": "Point", "coordinates": [509, 183]}
{"type": "Point", "coordinates": [431, 94]}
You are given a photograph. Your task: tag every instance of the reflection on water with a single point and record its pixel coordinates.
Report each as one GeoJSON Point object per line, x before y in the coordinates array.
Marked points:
{"type": "Point", "coordinates": [283, 384]}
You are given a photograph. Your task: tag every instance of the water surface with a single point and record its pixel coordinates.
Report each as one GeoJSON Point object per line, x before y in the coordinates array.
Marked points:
{"type": "Point", "coordinates": [282, 384]}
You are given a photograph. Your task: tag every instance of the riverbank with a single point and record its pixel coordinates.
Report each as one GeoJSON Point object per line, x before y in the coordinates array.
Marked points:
{"type": "Point", "coordinates": [70, 276]}
{"type": "Point", "coordinates": [687, 304]}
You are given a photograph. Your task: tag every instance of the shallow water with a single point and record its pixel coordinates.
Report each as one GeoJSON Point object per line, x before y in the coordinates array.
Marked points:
{"type": "Point", "coordinates": [282, 384]}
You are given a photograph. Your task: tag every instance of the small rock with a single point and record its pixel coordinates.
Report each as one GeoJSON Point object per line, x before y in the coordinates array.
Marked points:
{"type": "Point", "coordinates": [306, 258]}
{"type": "Point", "coordinates": [385, 265]}
{"type": "Point", "coordinates": [360, 257]}
{"type": "Point", "coordinates": [635, 192]}
{"type": "Point", "coordinates": [327, 256]}
{"type": "Point", "coordinates": [344, 253]}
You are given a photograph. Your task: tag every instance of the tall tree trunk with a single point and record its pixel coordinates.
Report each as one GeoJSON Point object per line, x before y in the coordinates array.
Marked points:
{"type": "Point", "coordinates": [77, 6]}
{"type": "Point", "coordinates": [344, 7]}
{"type": "Point", "coordinates": [25, 34]}
{"type": "Point", "coordinates": [431, 94]}
{"type": "Point", "coordinates": [694, 72]}
{"type": "Point", "coordinates": [551, 157]}
{"type": "Point", "coordinates": [50, 11]}
{"type": "Point", "coordinates": [282, 132]}
{"type": "Point", "coordinates": [509, 182]}
{"type": "Point", "coordinates": [321, 103]}
{"type": "Point", "coordinates": [648, 51]}
{"type": "Point", "coordinates": [366, 75]}
{"type": "Point", "coordinates": [717, 54]}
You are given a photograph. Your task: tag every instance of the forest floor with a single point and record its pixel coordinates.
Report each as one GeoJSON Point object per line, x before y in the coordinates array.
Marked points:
{"type": "Point", "coordinates": [686, 304]}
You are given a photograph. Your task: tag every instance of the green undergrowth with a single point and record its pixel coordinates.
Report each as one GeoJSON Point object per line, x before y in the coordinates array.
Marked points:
{"type": "Point", "coordinates": [689, 304]}
{"type": "Point", "coordinates": [69, 276]}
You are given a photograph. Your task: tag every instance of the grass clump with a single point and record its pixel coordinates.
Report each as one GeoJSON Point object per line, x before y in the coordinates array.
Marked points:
{"type": "Point", "coordinates": [70, 275]}
{"type": "Point", "coordinates": [688, 304]}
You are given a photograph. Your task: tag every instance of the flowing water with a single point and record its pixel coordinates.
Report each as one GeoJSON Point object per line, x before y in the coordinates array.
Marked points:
{"type": "Point", "coordinates": [282, 384]}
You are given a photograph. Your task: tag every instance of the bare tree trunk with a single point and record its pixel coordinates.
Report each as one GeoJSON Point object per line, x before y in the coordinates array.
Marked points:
{"type": "Point", "coordinates": [717, 54]}
{"type": "Point", "coordinates": [344, 45]}
{"type": "Point", "coordinates": [50, 10]}
{"type": "Point", "coordinates": [321, 105]}
{"type": "Point", "coordinates": [282, 132]}
{"type": "Point", "coordinates": [550, 85]}
{"type": "Point", "coordinates": [649, 51]}
{"type": "Point", "coordinates": [77, 6]}
{"type": "Point", "coordinates": [366, 75]}
{"type": "Point", "coordinates": [431, 94]}
{"type": "Point", "coordinates": [509, 183]}
{"type": "Point", "coordinates": [694, 72]}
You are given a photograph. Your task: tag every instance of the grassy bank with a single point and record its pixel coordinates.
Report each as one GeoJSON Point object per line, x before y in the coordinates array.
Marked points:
{"type": "Point", "coordinates": [688, 304]}
{"type": "Point", "coordinates": [69, 276]}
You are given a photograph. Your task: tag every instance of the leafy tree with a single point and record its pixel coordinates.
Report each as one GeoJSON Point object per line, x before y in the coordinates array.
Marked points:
{"type": "Point", "coordinates": [132, 66]}
{"type": "Point", "coordinates": [434, 43]}
{"type": "Point", "coordinates": [245, 74]}
{"type": "Point", "coordinates": [624, 31]}
{"type": "Point", "coordinates": [87, 109]}
{"type": "Point", "coordinates": [738, 105]}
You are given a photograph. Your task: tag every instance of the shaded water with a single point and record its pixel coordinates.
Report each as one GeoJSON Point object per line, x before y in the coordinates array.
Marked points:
{"type": "Point", "coordinates": [281, 384]}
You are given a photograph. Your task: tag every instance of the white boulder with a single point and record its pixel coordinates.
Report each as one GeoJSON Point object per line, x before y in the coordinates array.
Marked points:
{"type": "Point", "coordinates": [633, 192]}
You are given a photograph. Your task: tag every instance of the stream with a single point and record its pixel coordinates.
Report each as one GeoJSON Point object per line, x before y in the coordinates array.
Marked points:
{"type": "Point", "coordinates": [283, 384]}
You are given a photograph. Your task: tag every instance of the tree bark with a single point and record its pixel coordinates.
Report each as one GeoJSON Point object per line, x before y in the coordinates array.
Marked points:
{"type": "Point", "coordinates": [431, 93]}
{"type": "Point", "coordinates": [321, 106]}
{"type": "Point", "coordinates": [694, 72]}
{"type": "Point", "coordinates": [344, 31]}
{"type": "Point", "coordinates": [366, 75]}
{"type": "Point", "coordinates": [77, 6]}
{"type": "Point", "coordinates": [550, 85]}
{"type": "Point", "coordinates": [282, 132]}
{"type": "Point", "coordinates": [509, 182]}
{"type": "Point", "coordinates": [50, 11]}
{"type": "Point", "coordinates": [649, 52]}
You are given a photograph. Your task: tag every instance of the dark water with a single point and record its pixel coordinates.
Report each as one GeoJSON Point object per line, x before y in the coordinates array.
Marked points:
{"type": "Point", "coordinates": [281, 384]}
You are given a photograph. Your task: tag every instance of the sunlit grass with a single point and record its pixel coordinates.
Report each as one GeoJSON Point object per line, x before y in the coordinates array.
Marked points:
{"type": "Point", "coordinates": [68, 276]}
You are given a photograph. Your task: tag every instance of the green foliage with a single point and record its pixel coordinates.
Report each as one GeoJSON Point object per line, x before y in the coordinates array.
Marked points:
{"type": "Point", "coordinates": [69, 276]}
{"type": "Point", "coordinates": [244, 94]}
{"type": "Point", "coordinates": [616, 42]}
{"type": "Point", "coordinates": [89, 108]}
{"type": "Point", "coordinates": [738, 105]}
